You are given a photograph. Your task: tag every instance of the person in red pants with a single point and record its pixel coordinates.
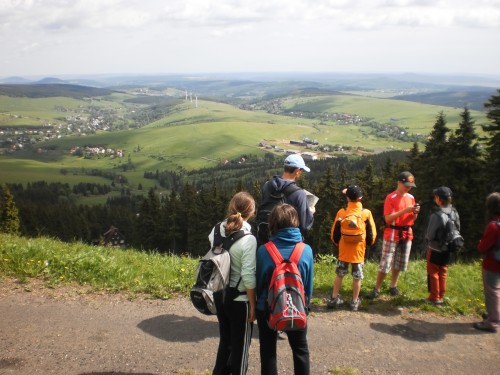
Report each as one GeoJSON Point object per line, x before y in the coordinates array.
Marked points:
{"type": "Point", "coordinates": [438, 253]}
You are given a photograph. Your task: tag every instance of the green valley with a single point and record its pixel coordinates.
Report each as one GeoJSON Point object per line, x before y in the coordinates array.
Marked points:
{"type": "Point", "coordinates": [152, 131]}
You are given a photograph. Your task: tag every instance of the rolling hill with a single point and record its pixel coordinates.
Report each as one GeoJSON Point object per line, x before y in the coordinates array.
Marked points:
{"type": "Point", "coordinates": [156, 130]}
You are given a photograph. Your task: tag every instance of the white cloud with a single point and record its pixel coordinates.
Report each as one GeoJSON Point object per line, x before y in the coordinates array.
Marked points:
{"type": "Point", "coordinates": [243, 34]}
{"type": "Point", "coordinates": [53, 15]}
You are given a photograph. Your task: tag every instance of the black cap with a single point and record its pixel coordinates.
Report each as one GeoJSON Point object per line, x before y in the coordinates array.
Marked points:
{"type": "Point", "coordinates": [407, 179]}
{"type": "Point", "coordinates": [353, 192]}
{"type": "Point", "coordinates": [443, 192]}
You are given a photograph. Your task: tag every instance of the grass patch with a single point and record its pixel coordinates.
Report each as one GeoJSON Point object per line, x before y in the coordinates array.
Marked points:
{"type": "Point", "coordinates": [101, 268]}
{"type": "Point", "coordinates": [464, 294]}
{"type": "Point", "coordinates": [163, 276]}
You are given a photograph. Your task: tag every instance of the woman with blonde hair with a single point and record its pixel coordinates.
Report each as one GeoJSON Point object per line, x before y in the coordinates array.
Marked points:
{"type": "Point", "coordinates": [236, 313]}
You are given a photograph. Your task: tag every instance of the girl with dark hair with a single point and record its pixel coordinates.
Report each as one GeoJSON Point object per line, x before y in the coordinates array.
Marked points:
{"type": "Point", "coordinates": [236, 316]}
{"type": "Point", "coordinates": [285, 234]}
{"type": "Point", "coordinates": [489, 248]}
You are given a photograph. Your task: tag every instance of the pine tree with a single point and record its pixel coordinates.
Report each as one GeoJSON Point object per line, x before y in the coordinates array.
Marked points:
{"type": "Point", "coordinates": [330, 194]}
{"type": "Point", "coordinates": [464, 166]}
{"type": "Point", "coordinates": [465, 138]}
{"type": "Point", "coordinates": [148, 222]}
{"type": "Point", "coordinates": [431, 169]}
{"type": "Point", "coordinates": [9, 214]}
{"type": "Point", "coordinates": [171, 223]}
{"type": "Point", "coordinates": [188, 212]}
{"type": "Point", "coordinates": [493, 144]}
{"type": "Point", "coordinates": [367, 182]}
{"type": "Point", "coordinates": [431, 166]}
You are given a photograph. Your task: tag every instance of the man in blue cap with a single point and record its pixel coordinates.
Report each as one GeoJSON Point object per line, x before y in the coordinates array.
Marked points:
{"type": "Point", "coordinates": [284, 190]}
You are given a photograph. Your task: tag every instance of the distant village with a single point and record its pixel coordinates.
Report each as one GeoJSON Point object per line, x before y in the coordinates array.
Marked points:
{"type": "Point", "coordinates": [313, 149]}
{"type": "Point", "coordinates": [17, 138]}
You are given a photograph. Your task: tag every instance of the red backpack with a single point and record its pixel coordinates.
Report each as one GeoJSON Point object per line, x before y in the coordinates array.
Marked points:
{"type": "Point", "coordinates": [286, 298]}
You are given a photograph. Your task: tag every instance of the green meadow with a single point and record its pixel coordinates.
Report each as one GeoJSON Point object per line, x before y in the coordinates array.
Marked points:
{"type": "Point", "coordinates": [416, 117]}
{"type": "Point", "coordinates": [193, 137]}
{"type": "Point", "coordinates": [16, 111]}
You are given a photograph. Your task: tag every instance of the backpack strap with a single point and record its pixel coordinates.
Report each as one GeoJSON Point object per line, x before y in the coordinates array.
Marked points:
{"type": "Point", "coordinates": [289, 189]}
{"type": "Point", "coordinates": [227, 242]}
{"type": "Point", "coordinates": [274, 252]}
{"type": "Point", "coordinates": [278, 258]}
{"type": "Point", "coordinates": [218, 239]}
{"type": "Point", "coordinates": [235, 236]}
{"type": "Point", "coordinates": [297, 252]}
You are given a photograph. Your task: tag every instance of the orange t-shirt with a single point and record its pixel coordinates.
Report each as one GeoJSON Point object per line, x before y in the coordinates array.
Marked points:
{"type": "Point", "coordinates": [395, 202]}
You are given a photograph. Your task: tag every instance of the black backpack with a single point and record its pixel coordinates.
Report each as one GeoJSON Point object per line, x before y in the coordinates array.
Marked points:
{"type": "Point", "coordinates": [275, 197]}
{"type": "Point", "coordinates": [452, 240]}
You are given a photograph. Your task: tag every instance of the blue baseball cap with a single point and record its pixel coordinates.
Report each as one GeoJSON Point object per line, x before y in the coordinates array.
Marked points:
{"type": "Point", "coordinates": [296, 161]}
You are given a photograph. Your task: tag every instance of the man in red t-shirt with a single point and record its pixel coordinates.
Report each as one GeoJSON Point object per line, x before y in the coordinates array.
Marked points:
{"type": "Point", "coordinates": [400, 212]}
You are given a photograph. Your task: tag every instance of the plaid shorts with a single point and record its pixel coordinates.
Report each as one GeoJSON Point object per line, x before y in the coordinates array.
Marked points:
{"type": "Point", "coordinates": [356, 269]}
{"type": "Point", "coordinates": [395, 255]}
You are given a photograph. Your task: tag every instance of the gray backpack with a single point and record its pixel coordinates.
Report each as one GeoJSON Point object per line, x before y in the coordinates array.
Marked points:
{"type": "Point", "coordinates": [452, 240]}
{"type": "Point", "coordinates": [213, 273]}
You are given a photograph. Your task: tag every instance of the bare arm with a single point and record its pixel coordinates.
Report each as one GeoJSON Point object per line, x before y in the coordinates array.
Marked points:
{"type": "Point", "coordinates": [412, 209]}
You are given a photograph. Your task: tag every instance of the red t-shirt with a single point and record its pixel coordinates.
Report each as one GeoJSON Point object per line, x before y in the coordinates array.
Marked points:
{"type": "Point", "coordinates": [487, 243]}
{"type": "Point", "coordinates": [395, 202]}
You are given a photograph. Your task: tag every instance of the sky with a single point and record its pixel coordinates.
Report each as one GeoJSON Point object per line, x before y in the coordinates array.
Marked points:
{"type": "Point", "coordinates": [64, 37]}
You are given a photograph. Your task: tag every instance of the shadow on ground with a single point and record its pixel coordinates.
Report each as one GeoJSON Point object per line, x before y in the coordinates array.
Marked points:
{"type": "Point", "coordinates": [177, 328]}
{"type": "Point", "coordinates": [424, 331]}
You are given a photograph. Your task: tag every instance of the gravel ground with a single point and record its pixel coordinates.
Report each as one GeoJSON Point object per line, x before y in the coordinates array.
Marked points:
{"type": "Point", "coordinates": [69, 331]}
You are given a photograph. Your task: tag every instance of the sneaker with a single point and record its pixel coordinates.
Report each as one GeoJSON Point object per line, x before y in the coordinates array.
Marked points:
{"type": "Point", "coordinates": [483, 327]}
{"type": "Point", "coordinates": [334, 303]}
{"type": "Point", "coordinates": [373, 294]}
{"type": "Point", "coordinates": [355, 304]}
{"type": "Point", "coordinates": [394, 291]}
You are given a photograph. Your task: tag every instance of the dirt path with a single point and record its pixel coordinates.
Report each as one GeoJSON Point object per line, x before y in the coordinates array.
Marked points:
{"type": "Point", "coordinates": [46, 331]}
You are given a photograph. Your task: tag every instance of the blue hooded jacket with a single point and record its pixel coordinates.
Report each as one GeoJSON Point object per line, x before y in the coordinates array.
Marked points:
{"type": "Point", "coordinates": [285, 240]}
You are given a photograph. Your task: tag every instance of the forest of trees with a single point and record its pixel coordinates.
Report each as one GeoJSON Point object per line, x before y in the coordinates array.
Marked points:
{"type": "Point", "coordinates": [179, 222]}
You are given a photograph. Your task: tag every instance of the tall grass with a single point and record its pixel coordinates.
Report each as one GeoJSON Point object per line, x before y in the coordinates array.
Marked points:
{"type": "Point", "coordinates": [101, 268]}
{"type": "Point", "coordinates": [163, 276]}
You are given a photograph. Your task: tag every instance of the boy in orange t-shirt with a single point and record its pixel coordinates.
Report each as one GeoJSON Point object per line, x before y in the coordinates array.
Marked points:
{"type": "Point", "coordinates": [353, 229]}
